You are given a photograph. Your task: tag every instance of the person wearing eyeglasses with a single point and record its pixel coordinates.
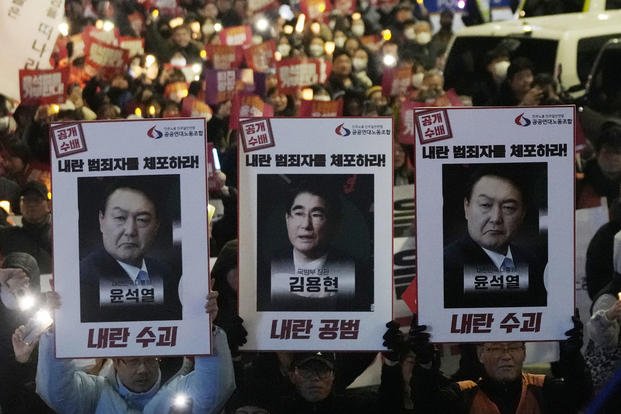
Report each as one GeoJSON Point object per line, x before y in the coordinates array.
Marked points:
{"type": "Point", "coordinates": [504, 387]}
{"type": "Point", "coordinates": [134, 384]}
{"type": "Point", "coordinates": [313, 274]}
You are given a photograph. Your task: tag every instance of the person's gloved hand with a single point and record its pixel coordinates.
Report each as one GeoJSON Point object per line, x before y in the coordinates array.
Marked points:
{"type": "Point", "coordinates": [394, 340]}
{"type": "Point", "coordinates": [418, 340]}
{"type": "Point", "coordinates": [571, 346]}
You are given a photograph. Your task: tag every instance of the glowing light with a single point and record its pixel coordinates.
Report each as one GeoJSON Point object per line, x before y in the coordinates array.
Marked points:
{"type": "Point", "coordinates": [99, 24]}
{"type": "Point", "coordinates": [262, 24]}
{"type": "Point", "coordinates": [108, 26]}
{"type": "Point", "coordinates": [315, 27]}
{"type": "Point", "coordinates": [277, 56]}
{"type": "Point", "coordinates": [149, 60]}
{"type": "Point", "coordinates": [197, 78]}
{"type": "Point", "coordinates": [6, 206]}
{"type": "Point", "coordinates": [356, 16]}
{"type": "Point", "coordinates": [26, 302]}
{"type": "Point", "coordinates": [329, 47]}
{"type": "Point", "coordinates": [389, 60]}
{"type": "Point", "coordinates": [285, 12]}
{"type": "Point", "coordinates": [217, 26]}
{"type": "Point", "coordinates": [155, 13]}
{"type": "Point", "coordinates": [288, 29]}
{"type": "Point", "coordinates": [197, 68]}
{"type": "Point", "coordinates": [203, 54]}
{"type": "Point", "coordinates": [151, 110]}
{"type": "Point", "coordinates": [181, 401]}
{"type": "Point", "coordinates": [138, 112]}
{"type": "Point", "coordinates": [299, 25]}
{"type": "Point", "coordinates": [177, 21]}
{"type": "Point", "coordinates": [195, 27]}
{"type": "Point", "coordinates": [461, 4]}
{"type": "Point", "coordinates": [527, 28]}
{"type": "Point", "coordinates": [54, 109]}
{"type": "Point", "coordinates": [307, 94]}
{"type": "Point", "coordinates": [63, 28]}
{"type": "Point", "coordinates": [386, 35]}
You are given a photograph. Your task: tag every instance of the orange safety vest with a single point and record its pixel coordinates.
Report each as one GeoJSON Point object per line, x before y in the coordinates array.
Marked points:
{"type": "Point", "coordinates": [481, 404]}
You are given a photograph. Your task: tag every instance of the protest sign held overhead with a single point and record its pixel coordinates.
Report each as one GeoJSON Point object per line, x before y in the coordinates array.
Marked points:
{"type": "Point", "coordinates": [315, 257]}
{"type": "Point", "coordinates": [139, 188]}
{"type": "Point", "coordinates": [493, 171]}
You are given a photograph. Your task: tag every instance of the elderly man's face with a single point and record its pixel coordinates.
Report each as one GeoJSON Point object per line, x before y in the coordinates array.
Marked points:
{"type": "Point", "coordinates": [494, 212]}
{"type": "Point", "coordinates": [309, 225]}
{"type": "Point", "coordinates": [128, 226]}
{"type": "Point", "coordinates": [502, 361]}
{"type": "Point", "coordinates": [137, 374]}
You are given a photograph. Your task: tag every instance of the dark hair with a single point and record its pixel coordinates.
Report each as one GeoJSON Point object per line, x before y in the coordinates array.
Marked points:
{"type": "Point", "coordinates": [321, 188]}
{"type": "Point", "coordinates": [518, 65]}
{"type": "Point", "coordinates": [142, 184]}
{"type": "Point", "coordinates": [505, 172]}
{"type": "Point", "coordinates": [610, 136]}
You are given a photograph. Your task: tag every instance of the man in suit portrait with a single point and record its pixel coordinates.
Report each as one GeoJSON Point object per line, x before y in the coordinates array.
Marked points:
{"type": "Point", "coordinates": [118, 281]}
{"type": "Point", "coordinates": [312, 274]}
{"type": "Point", "coordinates": [486, 267]}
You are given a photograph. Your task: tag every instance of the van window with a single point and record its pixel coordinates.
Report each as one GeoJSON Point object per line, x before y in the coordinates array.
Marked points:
{"type": "Point", "coordinates": [465, 66]}
{"type": "Point", "coordinates": [588, 48]}
{"type": "Point", "coordinates": [605, 88]}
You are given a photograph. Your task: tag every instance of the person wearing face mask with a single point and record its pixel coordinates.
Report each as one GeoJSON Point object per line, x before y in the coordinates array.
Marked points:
{"type": "Point", "coordinates": [316, 47]}
{"type": "Point", "coordinates": [339, 39]}
{"type": "Point", "coordinates": [357, 28]}
{"type": "Point", "coordinates": [487, 89]}
{"type": "Point", "coordinates": [363, 67]}
{"type": "Point", "coordinates": [283, 47]}
{"type": "Point", "coordinates": [416, 43]}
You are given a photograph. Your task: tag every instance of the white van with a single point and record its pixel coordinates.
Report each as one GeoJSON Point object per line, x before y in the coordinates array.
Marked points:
{"type": "Point", "coordinates": [565, 43]}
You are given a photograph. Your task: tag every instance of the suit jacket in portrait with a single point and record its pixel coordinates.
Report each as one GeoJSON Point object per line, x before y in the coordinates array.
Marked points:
{"type": "Point", "coordinates": [355, 292]}
{"type": "Point", "coordinates": [100, 272]}
{"type": "Point", "coordinates": [465, 252]}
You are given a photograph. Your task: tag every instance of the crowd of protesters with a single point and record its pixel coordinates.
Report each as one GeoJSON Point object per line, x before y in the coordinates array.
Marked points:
{"type": "Point", "coordinates": [361, 45]}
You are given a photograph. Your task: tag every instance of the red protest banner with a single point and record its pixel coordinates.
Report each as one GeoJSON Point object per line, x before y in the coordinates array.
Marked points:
{"type": "Point", "coordinates": [294, 73]}
{"type": "Point", "coordinates": [219, 85]}
{"type": "Point", "coordinates": [260, 57]}
{"type": "Point", "coordinates": [41, 87]}
{"type": "Point", "coordinates": [317, 109]}
{"type": "Point", "coordinates": [396, 81]}
{"type": "Point", "coordinates": [224, 57]}
{"type": "Point", "coordinates": [236, 35]}
{"type": "Point", "coordinates": [248, 106]}
{"type": "Point", "coordinates": [406, 122]}
{"type": "Point", "coordinates": [104, 58]}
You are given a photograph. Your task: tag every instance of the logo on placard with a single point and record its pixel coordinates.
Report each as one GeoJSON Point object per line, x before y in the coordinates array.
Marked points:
{"type": "Point", "coordinates": [521, 120]}
{"type": "Point", "coordinates": [342, 131]}
{"type": "Point", "coordinates": [154, 133]}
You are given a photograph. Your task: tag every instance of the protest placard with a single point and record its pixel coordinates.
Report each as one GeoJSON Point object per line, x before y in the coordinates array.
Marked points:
{"type": "Point", "coordinates": [236, 35]}
{"type": "Point", "coordinates": [102, 58]}
{"type": "Point", "coordinates": [315, 194]}
{"type": "Point", "coordinates": [224, 57]}
{"type": "Point", "coordinates": [260, 57]}
{"type": "Point", "coordinates": [496, 175]}
{"type": "Point", "coordinates": [132, 220]}
{"type": "Point", "coordinates": [396, 81]}
{"type": "Point", "coordinates": [248, 106]}
{"type": "Point", "coordinates": [321, 108]}
{"type": "Point", "coordinates": [28, 30]}
{"type": "Point", "coordinates": [294, 73]}
{"type": "Point", "coordinates": [41, 87]}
